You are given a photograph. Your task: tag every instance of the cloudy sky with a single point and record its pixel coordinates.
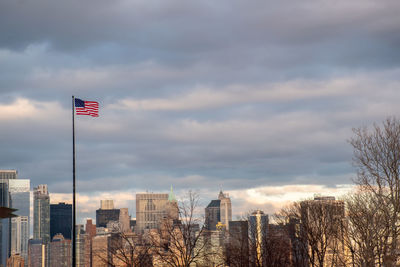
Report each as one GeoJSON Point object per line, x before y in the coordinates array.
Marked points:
{"type": "Point", "coordinates": [258, 98]}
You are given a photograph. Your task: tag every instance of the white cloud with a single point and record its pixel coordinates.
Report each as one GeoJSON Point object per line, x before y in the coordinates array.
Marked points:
{"type": "Point", "coordinates": [24, 108]}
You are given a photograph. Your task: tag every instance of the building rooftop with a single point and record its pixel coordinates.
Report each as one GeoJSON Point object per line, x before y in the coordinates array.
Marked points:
{"type": "Point", "coordinates": [214, 203]}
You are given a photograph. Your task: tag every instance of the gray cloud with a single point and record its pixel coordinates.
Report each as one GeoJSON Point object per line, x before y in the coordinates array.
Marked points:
{"type": "Point", "coordinates": [193, 93]}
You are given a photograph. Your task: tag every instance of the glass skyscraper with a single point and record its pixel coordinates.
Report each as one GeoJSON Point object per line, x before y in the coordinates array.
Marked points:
{"type": "Point", "coordinates": [5, 224]}
{"type": "Point", "coordinates": [20, 199]}
{"type": "Point", "coordinates": [61, 220]}
{"type": "Point", "coordinates": [41, 213]}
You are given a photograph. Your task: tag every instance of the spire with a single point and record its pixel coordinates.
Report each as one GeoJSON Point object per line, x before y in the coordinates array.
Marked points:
{"type": "Point", "coordinates": [171, 196]}
{"type": "Point", "coordinates": [221, 195]}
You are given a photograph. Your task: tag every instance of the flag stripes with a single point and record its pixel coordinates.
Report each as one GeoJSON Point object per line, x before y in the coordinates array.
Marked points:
{"type": "Point", "coordinates": [90, 108]}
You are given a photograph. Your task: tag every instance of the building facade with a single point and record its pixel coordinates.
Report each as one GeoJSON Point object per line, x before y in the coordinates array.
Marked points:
{"type": "Point", "coordinates": [103, 217]}
{"type": "Point", "coordinates": [61, 220]}
{"type": "Point", "coordinates": [5, 226]}
{"type": "Point", "coordinates": [8, 174]}
{"type": "Point", "coordinates": [60, 251]}
{"type": "Point", "coordinates": [41, 213]}
{"type": "Point", "coordinates": [258, 223]}
{"type": "Point", "coordinates": [225, 209]}
{"type": "Point", "coordinates": [124, 220]}
{"type": "Point", "coordinates": [37, 253]}
{"type": "Point", "coordinates": [20, 200]}
{"type": "Point", "coordinates": [213, 214]}
{"type": "Point", "coordinates": [150, 210]}
{"type": "Point", "coordinates": [107, 204]}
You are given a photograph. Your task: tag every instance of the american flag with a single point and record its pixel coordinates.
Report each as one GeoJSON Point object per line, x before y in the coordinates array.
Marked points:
{"type": "Point", "coordinates": [90, 108]}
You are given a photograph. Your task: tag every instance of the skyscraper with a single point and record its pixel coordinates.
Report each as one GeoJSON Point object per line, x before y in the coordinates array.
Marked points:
{"type": "Point", "coordinates": [60, 251]}
{"type": "Point", "coordinates": [219, 210]}
{"type": "Point", "coordinates": [41, 213]}
{"type": "Point", "coordinates": [4, 223]}
{"type": "Point", "coordinates": [150, 209]}
{"type": "Point", "coordinates": [172, 206]}
{"type": "Point", "coordinates": [258, 222]}
{"type": "Point", "coordinates": [107, 204]}
{"type": "Point", "coordinates": [61, 220]}
{"type": "Point", "coordinates": [20, 200]}
{"type": "Point", "coordinates": [124, 220]}
{"type": "Point", "coordinates": [225, 209]}
{"type": "Point", "coordinates": [323, 219]}
{"type": "Point", "coordinates": [37, 253]}
{"type": "Point", "coordinates": [8, 174]}
{"type": "Point", "coordinates": [213, 214]}
{"type": "Point", "coordinates": [106, 213]}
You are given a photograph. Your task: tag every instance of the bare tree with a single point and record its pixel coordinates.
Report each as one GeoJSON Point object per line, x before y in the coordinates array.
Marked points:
{"type": "Point", "coordinates": [123, 249]}
{"type": "Point", "coordinates": [177, 242]}
{"type": "Point", "coordinates": [377, 159]}
{"type": "Point", "coordinates": [366, 230]}
{"type": "Point", "coordinates": [277, 246]}
{"type": "Point", "coordinates": [320, 235]}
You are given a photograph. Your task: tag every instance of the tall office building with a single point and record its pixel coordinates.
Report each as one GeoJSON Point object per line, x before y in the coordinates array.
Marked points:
{"type": "Point", "coordinates": [37, 253]}
{"type": "Point", "coordinates": [60, 251]}
{"type": "Point", "coordinates": [8, 174]}
{"type": "Point", "coordinates": [81, 239]}
{"type": "Point", "coordinates": [41, 213]}
{"type": "Point", "coordinates": [106, 213]}
{"type": "Point", "coordinates": [61, 220]}
{"type": "Point", "coordinates": [5, 227]}
{"type": "Point", "coordinates": [15, 261]}
{"type": "Point", "coordinates": [213, 214]}
{"type": "Point", "coordinates": [238, 243]}
{"type": "Point", "coordinates": [172, 206]}
{"type": "Point", "coordinates": [219, 210]}
{"type": "Point", "coordinates": [124, 220]}
{"type": "Point", "coordinates": [258, 222]}
{"type": "Point", "coordinates": [107, 204]}
{"type": "Point", "coordinates": [150, 210]}
{"type": "Point", "coordinates": [225, 209]}
{"type": "Point", "coordinates": [328, 211]}
{"type": "Point", "coordinates": [20, 200]}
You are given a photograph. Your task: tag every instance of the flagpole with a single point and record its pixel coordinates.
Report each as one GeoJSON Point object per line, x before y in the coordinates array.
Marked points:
{"type": "Point", "coordinates": [73, 186]}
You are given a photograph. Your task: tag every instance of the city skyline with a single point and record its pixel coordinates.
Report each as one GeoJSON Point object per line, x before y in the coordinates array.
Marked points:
{"type": "Point", "coordinates": [259, 99]}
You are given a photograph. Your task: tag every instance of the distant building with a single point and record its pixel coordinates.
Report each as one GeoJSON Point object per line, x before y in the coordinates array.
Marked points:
{"type": "Point", "coordinates": [60, 252]}
{"type": "Point", "coordinates": [238, 244]}
{"type": "Point", "coordinates": [20, 200]}
{"type": "Point", "coordinates": [107, 204]}
{"type": "Point", "coordinates": [124, 220]}
{"type": "Point", "coordinates": [105, 216]}
{"type": "Point", "coordinates": [61, 220]}
{"type": "Point", "coordinates": [100, 251]}
{"type": "Point", "coordinates": [211, 248]}
{"type": "Point", "coordinates": [150, 209]}
{"type": "Point", "coordinates": [90, 228]}
{"type": "Point", "coordinates": [5, 226]}
{"type": "Point", "coordinates": [37, 253]}
{"type": "Point", "coordinates": [81, 239]}
{"type": "Point", "coordinates": [90, 234]}
{"type": "Point", "coordinates": [8, 174]}
{"type": "Point", "coordinates": [15, 261]}
{"type": "Point", "coordinates": [41, 213]}
{"type": "Point", "coordinates": [332, 211]}
{"type": "Point", "coordinates": [106, 213]}
{"type": "Point", "coordinates": [225, 209]}
{"type": "Point", "coordinates": [172, 209]}
{"type": "Point", "coordinates": [213, 214]}
{"type": "Point", "coordinates": [258, 222]}
{"type": "Point", "coordinates": [218, 211]}
{"type": "Point", "coordinates": [132, 224]}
